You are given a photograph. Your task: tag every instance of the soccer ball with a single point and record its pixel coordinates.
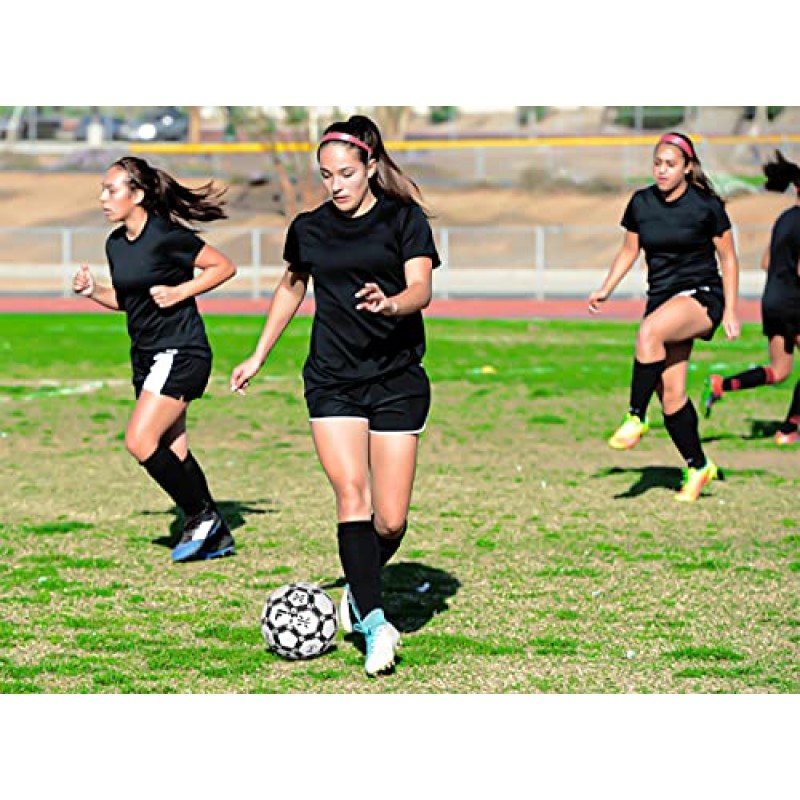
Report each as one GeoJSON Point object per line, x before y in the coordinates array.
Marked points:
{"type": "Point", "coordinates": [299, 621]}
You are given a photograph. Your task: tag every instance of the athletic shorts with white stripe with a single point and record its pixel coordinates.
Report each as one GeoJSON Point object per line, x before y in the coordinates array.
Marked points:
{"type": "Point", "coordinates": [171, 373]}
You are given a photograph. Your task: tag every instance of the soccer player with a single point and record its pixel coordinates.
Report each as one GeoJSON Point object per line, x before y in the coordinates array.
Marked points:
{"type": "Point", "coordinates": [780, 307]}
{"type": "Point", "coordinates": [370, 252]}
{"type": "Point", "coordinates": [152, 256]}
{"type": "Point", "coordinates": [682, 226]}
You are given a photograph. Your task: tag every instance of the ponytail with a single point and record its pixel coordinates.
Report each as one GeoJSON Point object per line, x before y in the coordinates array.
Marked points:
{"type": "Point", "coordinates": [165, 197]}
{"type": "Point", "coordinates": [362, 134]}
{"type": "Point", "coordinates": [780, 174]}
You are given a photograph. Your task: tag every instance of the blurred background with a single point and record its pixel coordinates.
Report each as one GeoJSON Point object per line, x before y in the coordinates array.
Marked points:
{"type": "Point", "coordinates": [525, 200]}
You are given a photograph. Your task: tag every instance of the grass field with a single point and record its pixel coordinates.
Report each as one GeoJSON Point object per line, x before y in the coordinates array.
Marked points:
{"type": "Point", "coordinates": [538, 560]}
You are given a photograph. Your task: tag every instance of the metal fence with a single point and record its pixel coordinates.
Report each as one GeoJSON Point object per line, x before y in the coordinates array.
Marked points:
{"type": "Point", "coordinates": [544, 261]}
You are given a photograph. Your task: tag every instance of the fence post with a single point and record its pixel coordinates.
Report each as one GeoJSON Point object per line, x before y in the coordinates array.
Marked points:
{"type": "Point", "coordinates": [66, 262]}
{"type": "Point", "coordinates": [255, 259]}
{"type": "Point", "coordinates": [539, 256]}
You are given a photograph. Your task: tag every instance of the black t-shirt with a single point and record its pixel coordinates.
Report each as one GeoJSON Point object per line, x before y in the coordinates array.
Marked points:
{"type": "Point", "coordinates": [677, 238]}
{"type": "Point", "coordinates": [341, 254]}
{"type": "Point", "coordinates": [162, 254]}
{"type": "Point", "coordinates": [783, 284]}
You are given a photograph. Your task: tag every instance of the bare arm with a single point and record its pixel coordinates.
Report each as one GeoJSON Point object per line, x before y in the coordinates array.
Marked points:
{"type": "Point", "coordinates": [729, 266]}
{"type": "Point", "coordinates": [286, 300]}
{"type": "Point", "coordinates": [765, 260]}
{"type": "Point", "coordinates": [625, 259]}
{"type": "Point", "coordinates": [416, 296]}
{"type": "Point", "coordinates": [216, 268]}
{"type": "Point", "coordinates": [83, 283]}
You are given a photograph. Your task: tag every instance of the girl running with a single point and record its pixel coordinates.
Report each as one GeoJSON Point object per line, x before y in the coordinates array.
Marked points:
{"type": "Point", "coordinates": [682, 226]}
{"type": "Point", "coordinates": [780, 307]}
{"type": "Point", "coordinates": [152, 257]}
{"type": "Point", "coordinates": [370, 252]}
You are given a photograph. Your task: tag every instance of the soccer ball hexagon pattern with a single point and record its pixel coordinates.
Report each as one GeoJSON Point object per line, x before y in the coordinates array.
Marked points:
{"type": "Point", "coordinates": [299, 621]}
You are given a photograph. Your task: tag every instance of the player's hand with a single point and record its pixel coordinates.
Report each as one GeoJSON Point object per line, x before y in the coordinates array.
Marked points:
{"type": "Point", "coordinates": [166, 296]}
{"type": "Point", "coordinates": [731, 326]}
{"type": "Point", "coordinates": [240, 377]}
{"type": "Point", "coordinates": [374, 300]}
{"type": "Point", "coordinates": [595, 300]}
{"type": "Point", "coordinates": [83, 281]}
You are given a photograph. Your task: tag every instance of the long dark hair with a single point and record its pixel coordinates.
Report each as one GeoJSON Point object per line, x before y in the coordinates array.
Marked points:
{"type": "Point", "coordinates": [697, 177]}
{"type": "Point", "coordinates": [780, 174]}
{"type": "Point", "coordinates": [165, 197]}
{"type": "Point", "coordinates": [388, 178]}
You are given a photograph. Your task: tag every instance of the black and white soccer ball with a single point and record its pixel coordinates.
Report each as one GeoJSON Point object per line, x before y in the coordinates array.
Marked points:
{"type": "Point", "coordinates": [299, 621]}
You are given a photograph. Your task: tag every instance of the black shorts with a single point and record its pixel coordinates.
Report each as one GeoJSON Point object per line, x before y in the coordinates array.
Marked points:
{"type": "Point", "coordinates": [396, 403]}
{"type": "Point", "coordinates": [780, 319]}
{"type": "Point", "coordinates": [171, 373]}
{"type": "Point", "coordinates": [711, 298]}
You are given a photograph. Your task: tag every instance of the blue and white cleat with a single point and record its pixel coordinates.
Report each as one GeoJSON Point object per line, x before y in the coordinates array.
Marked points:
{"type": "Point", "coordinates": [198, 531]}
{"type": "Point", "coordinates": [382, 640]}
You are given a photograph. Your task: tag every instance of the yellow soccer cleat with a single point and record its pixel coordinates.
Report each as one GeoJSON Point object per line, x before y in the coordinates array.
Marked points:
{"type": "Point", "coordinates": [629, 433]}
{"type": "Point", "coordinates": [695, 480]}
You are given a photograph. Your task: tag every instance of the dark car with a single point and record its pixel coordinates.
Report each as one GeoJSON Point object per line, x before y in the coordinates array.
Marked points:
{"type": "Point", "coordinates": [30, 126]}
{"type": "Point", "coordinates": [168, 124]}
{"type": "Point", "coordinates": [112, 126]}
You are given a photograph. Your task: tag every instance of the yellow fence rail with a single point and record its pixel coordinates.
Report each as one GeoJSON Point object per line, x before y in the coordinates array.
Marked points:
{"type": "Point", "coordinates": [180, 148]}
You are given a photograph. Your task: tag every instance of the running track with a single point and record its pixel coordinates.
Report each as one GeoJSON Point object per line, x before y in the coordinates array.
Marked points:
{"type": "Point", "coordinates": [452, 308]}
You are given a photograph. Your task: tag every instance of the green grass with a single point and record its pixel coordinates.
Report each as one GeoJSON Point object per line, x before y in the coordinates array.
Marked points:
{"type": "Point", "coordinates": [537, 560]}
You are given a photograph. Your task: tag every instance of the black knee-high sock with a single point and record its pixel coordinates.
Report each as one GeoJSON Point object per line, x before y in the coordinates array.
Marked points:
{"type": "Point", "coordinates": [166, 469]}
{"type": "Point", "coordinates": [643, 385]}
{"type": "Point", "coordinates": [198, 478]}
{"type": "Point", "coordinates": [793, 417]}
{"type": "Point", "coordinates": [749, 379]}
{"type": "Point", "coordinates": [684, 431]}
{"type": "Point", "coordinates": [361, 562]}
{"type": "Point", "coordinates": [388, 547]}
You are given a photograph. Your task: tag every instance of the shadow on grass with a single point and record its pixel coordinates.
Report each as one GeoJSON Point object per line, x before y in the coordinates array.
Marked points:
{"type": "Point", "coordinates": [649, 478]}
{"type": "Point", "coordinates": [759, 429]}
{"type": "Point", "coordinates": [232, 511]}
{"type": "Point", "coordinates": [413, 594]}
{"type": "Point", "coordinates": [763, 429]}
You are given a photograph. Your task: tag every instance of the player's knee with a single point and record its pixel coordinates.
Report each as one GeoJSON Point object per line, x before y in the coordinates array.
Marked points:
{"type": "Point", "coordinates": [353, 500]}
{"type": "Point", "coordinates": [391, 526]}
{"type": "Point", "coordinates": [672, 401]}
{"type": "Point", "coordinates": [648, 338]}
{"type": "Point", "coordinates": [778, 373]}
{"type": "Point", "coordinates": [140, 445]}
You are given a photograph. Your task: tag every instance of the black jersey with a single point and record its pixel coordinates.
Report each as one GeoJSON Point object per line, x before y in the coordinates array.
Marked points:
{"type": "Point", "coordinates": [162, 254]}
{"type": "Point", "coordinates": [341, 254]}
{"type": "Point", "coordinates": [783, 283]}
{"type": "Point", "coordinates": [677, 238]}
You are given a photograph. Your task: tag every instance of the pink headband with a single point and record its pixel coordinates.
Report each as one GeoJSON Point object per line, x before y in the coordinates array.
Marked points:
{"type": "Point", "coordinates": [346, 137]}
{"type": "Point", "coordinates": [682, 144]}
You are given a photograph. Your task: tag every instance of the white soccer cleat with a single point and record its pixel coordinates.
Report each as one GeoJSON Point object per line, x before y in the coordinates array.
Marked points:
{"type": "Point", "coordinates": [382, 640]}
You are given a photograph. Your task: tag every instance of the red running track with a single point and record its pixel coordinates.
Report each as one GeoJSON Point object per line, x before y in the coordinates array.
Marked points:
{"type": "Point", "coordinates": [453, 308]}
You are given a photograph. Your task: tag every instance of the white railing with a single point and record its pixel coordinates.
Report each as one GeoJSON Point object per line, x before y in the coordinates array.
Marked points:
{"type": "Point", "coordinates": [519, 261]}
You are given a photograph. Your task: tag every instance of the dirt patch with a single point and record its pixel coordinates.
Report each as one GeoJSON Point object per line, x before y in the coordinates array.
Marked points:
{"type": "Point", "coordinates": [42, 199]}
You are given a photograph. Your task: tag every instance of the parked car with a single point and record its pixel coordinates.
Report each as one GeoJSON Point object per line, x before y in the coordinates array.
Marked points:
{"type": "Point", "coordinates": [112, 126]}
{"type": "Point", "coordinates": [44, 127]}
{"type": "Point", "coordinates": [168, 124]}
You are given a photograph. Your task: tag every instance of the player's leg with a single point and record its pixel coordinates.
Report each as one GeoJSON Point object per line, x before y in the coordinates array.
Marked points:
{"type": "Point", "coordinates": [680, 416]}
{"type": "Point", "coordinates": [788, 433]}
{"type": "Point", "coordinates": [781, 361]}
{"type": "Point", "coordinates": [677, 319]}
{"type": "Point", "coordinates": [342, 445]}
{"type": "Point", "coordinates": [156, 435]}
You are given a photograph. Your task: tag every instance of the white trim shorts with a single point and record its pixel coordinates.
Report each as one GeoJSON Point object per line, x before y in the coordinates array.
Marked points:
{"type": "Point", "coordinates": [171, 373]}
